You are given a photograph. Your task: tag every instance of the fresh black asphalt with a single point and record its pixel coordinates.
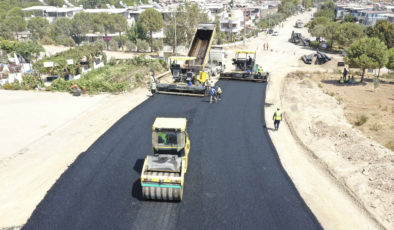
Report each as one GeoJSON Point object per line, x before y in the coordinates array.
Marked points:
{"type": "Point", "coordinates": [234, 181]}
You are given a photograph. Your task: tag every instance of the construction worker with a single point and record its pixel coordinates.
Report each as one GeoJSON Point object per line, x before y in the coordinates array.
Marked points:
{"type": "Point", "coordinates": [277, 119]}
{"type": "Point", "coordinates": [76, 89]}
{"type": "Point", "coordinates": [260, 71]}
{"type": "Point", "coordinates": [212, 93]}
{"type": "Point", "coordinates": [342, 81]}
{"type": "Point", "coordinates": [173, 63]}
{"type": "Point", "coordinates": [250, 60]}
{"type": "Point", "coordinates": [153, 88]}
{"type": "Point", "coordinates": [345, 72]}
{"type": "Point", "coordinates": [162, 137]}
{"type": "Point", "coordinates": [219, 92]}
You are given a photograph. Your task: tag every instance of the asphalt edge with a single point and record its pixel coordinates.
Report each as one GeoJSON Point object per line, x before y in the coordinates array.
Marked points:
{"type": "Point", "coordinates": [302, 201]}
{"type": "Point", "coordinates": [324, 168]}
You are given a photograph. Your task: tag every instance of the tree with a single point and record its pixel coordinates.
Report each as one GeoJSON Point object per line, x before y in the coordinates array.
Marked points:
{"type": "Point", "coordinates": [39, 26]}
{"type": "Point", "coordinates": [318, 31]}
{"type": "Point", "coordinates": [104, 23]}
{"type": "Point", "coordinates": [120, 26]}
{"type": "Point", "coordinates": [331, 32]}
{"type": "Point", "coordinates": [152, 21]}
{"type": "Point", "coordinates": [63, 26]}
{"type": "Point", "coordinates": [170, 37]}
{"type": "Point", "coordinates": [81, 24]}
{"type": "Point", "coordinates": [349, 33]}
{"type": "Point", "coordinates": [349, 18]}
{"type": "Point", "coordinates": [28, 49]}
{"type": "Point", "coordinates": [3, 15]}
{"type": "Point", "coordinates": [318, 21]}
{"type": "Point", "coordinates": [16, 11]}
{"type": "Point", "coordinates": [136, 32]}
{"type": "Point", "coordinates": [187, 18]}
{"type": "Point", "coordinates": [16, 24]}
{"type": "Point", "coordinates": [367, 53]}
{"type": "Point", "coordinates": [5, 32]}
{"type": "Point", "coordinates": [390, 63]}
{"type": "Point", "coordinates": [383, 30]}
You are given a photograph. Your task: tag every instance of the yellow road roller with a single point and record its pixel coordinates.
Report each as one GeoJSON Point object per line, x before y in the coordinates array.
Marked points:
{"type": "Point", "coordinates": [163, 173]}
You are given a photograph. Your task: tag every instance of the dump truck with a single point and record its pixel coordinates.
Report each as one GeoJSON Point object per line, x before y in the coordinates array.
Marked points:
{"type": "Point", "coordinates": [245, 68]}
{"type": "Point", "coordinates": [163, 173]}
{"type": "Point", "coordinates": [191, 78]}
{"type": "Point", "coordinates": [217, 58]}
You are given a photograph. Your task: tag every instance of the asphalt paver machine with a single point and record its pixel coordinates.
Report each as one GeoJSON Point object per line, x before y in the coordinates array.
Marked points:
{"type": "Point", "coordinates": [163, 173]}
{"type": "Point", "coordinates": [191, 78]}
{"type": "Point", "coordinates": [245, 68]}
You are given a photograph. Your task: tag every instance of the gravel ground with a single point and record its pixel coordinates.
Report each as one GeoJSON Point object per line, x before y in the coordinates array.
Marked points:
{"type": "Point", "coordinates": [235, 179]}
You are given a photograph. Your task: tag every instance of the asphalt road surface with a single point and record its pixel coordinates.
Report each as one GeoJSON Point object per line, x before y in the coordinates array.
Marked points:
{"type": "Point", "coordinates": [234, 181]}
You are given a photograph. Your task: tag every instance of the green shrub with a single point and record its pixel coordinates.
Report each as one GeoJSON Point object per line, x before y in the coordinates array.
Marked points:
{"type": "Point", "coordinates": [157, 45]}
{"type": "Point", "coordinates": [113, 45]}
{"type": "Point", "coordinates": [60, 39]}
{"type": "Point", "coordinates": [130, 46]}
{"type": "Point", "coordinates": [69, 42]}
{"type": "Point", "coordinates": [314, 44]}
{"type": "Point", "coordinates": [46, 40]}
{"type": "Point", "coordinates": [100, 43]}
{"type": "Point", "coordinates": [360, 120]}
{"type": "Point", "coordinates": [142, 45]}
{"type": "Point", "coordinates": [112, 61]}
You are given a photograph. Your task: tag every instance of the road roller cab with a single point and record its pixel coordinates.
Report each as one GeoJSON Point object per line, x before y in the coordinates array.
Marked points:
{"type": "Point", "coordinates": [163, 172]}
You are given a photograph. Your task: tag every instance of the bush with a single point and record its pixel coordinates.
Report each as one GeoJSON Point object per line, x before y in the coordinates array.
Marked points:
{"type": "Point", "coordinates": [69, 42]}
{"type": "Point", "coordinates": [314, 44]}
{"type": "Point", "coordinates": [142, 45]}
{"type": "Point", "coordinates": [361, 120]}
{"type": "Point", "coordinates": [112, 61]}
{"type": "Point", "coordinates": [130, 46]}
{"type": "Point", "coordinates": [46, 40]}
{"type": "Point", "coordinates": [104, 58]}
{"type": "Point", "coordinates": [30, 82]}
{"type": "Point", "coordinates": [157, 45]}
{"type": "Point", "coordinates": [100, 43]}
{"type": "Point", "coordinates": [60, 39]}
{"type": "Point", "coordinates": [163, 63]}
{"type": "Point", "coordinates": [390, 145]}
{"type": "Point", "coordinates": [113, 45]}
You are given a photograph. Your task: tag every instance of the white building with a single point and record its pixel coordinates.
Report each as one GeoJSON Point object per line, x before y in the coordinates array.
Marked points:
{"type": "Point", "coordinates": [51, 13]}
{"type": "Point", "coordinates": [235, 21]}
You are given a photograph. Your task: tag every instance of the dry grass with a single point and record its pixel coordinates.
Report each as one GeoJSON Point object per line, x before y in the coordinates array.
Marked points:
{"type": "Point", "coordinates": [360, 120]}
{"type": "Point", "coordinates": [390, 145]}
{"type": "Point", "coordinates": [376, 127]}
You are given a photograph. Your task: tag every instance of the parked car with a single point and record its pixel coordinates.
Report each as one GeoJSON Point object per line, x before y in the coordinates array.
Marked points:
{"type": "Point", "coordinates": [276, 33]}
{"type": "Point", "coordinates": [270, 31]}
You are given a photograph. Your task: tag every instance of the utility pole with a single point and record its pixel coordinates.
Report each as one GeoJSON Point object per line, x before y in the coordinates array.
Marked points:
{"type": "Point", "coordinates": [244, 27]}
{"type": "Point", "coordinates": [175, 31]}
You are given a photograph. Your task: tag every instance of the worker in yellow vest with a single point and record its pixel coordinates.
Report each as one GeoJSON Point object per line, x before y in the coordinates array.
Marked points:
{"type": "Point", "coordinates": [277, 118]}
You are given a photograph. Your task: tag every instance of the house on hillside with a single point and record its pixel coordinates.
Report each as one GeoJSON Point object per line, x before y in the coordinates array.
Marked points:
{"type": "Point", "coordinates": [371, 17]}
{"type": "Point", "coordinates": [51, 13]}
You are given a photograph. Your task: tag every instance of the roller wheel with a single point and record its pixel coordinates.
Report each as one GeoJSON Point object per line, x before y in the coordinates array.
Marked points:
{"type": "Point", "coordinates": [157, 193]}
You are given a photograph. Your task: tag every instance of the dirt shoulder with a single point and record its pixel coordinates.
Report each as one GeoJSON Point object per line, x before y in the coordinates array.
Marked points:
{"type": "Point", "coordinates": [27, 177]}
{"type": "Point", "coordinates": [319, 113]}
